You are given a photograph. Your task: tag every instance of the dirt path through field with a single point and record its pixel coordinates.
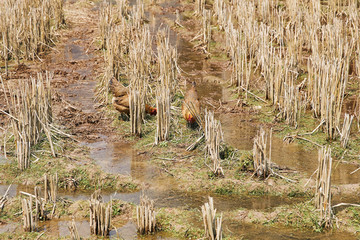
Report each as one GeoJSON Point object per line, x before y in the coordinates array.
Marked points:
{"type": "Point", "coordinates": [76, 65]}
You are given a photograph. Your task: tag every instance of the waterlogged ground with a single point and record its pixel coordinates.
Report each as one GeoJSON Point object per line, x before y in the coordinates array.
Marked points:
{"type": "Point", "coordinates": [177, 181]}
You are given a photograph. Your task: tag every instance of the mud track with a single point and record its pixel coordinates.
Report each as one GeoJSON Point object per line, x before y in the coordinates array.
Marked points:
{"type": "Point", "coordinates": [76, 64]}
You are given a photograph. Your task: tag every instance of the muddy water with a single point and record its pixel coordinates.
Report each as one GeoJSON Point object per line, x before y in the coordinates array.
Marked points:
{"type": "Point", "coordinates": [60, 228]}
{"type": "Point", "coordinates": [178, 199]}
{"type": "Point", "coordinates": [247, 231]}
{"type": "Point", "coordinates": [121, 158]}
{"type": "Point", "coordinates": [127, 230]}
{"type": "Point", "coordinates": [112, 157]}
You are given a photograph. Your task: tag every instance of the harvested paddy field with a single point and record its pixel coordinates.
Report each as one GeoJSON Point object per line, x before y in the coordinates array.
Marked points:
{"type": "Point", "coordinates": [179, 119]}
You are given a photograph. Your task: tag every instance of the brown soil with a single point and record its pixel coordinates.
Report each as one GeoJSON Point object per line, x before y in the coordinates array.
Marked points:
{"type": "Point", "coordinates": [75, 60]}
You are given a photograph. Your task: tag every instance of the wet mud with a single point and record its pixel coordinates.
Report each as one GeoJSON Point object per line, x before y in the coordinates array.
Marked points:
{"type": "Point", "coordinates": [251, 231]}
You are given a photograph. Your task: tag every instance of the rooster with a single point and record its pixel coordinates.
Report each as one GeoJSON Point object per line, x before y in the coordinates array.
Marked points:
{"type": "Point", "coordinates": [121, 99]}
{"type": "Point", "coordinates": [191, 105]}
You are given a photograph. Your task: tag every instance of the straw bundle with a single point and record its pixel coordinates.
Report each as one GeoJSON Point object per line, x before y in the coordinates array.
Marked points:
{"type": "Point", "coordinates": [26, 27]}
{"type": "Point", "coordinates": [206, 24]}
{"type": "Point", "coordinates": [326, 86]}
{"type": "Point", "coordinates": [213, 139]}
{"type": "Point", "coordinates": [345, 132]}
{"type": "Point", "coordinates": [146, 216]}
{"type": "Point", "coordinates": [28, 218]}
{"type": "Point", "coordinates": [163, 117]}
{"type": "Point", "coordinates": [323, 187]}
{"type": "Point", "coordinates": [137, 110]}
{"type": "Point", "coordinates": [39, 205]}
{"type": "Point", "coordinates": [50, 187]}
{"type": "Point", "coordinates": [167, 58]}
{"type": "Point", "coordinates": [100, 215]}
{"type": "Point", "coordinates": [262, 153]}
{"type": "Point", "coordinates": [31, 116]}
{"type": "Point", "coordinates": [166, 84]}
{"type": "Point", "coordinates": [212, 225]}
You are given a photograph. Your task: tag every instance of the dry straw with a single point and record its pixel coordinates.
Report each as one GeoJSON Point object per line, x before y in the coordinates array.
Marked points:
{"type": "Point", "coordinates": [50, 187]}
{"type": "Point", "coordinates": [199, 6]}
{"type": "Point", "coordinates": [323, 187]}
{"type": "Point", "coordinates": [345, 132]}
{"type": "Point", "coordinates": [212, 225]}
{"type": "Point", "coordinates": [262, 153]}
{"type": "Point", "coordinates": [146, 216]}
{"type": "Point", "coordinates": [167, 58]}
{"type": "Point", "coordinates": [320, 42]}
{"type": "Point", "coordinates": [166, 84]}
{"type": "Point", "coordinates": [27, 27]}
{"type": "Point", "coordinates": [206, 24]}
{"type": "Point", "coordinates": [30, 116]}
{"type": "Point", "coordinates": [213, 139]}
{"type": "Point", "coordinates": [163, 117]}
{"type": "Point", "coordinates": [100, 215]}
{"type": "Point", "coordinates": [137, 110]}
{"type": "Point", "coordinates": [327, 83]}
{"type": "Point", "coordinates": [125, 39]}
{"type": "Point", "coordinates": [39, 205]}
{"type": "Point", "coordinates": [28, 218]}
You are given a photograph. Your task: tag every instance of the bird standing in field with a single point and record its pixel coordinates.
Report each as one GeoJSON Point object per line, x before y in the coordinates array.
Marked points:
{"type": "Point", "coordinates": [121, 98]}
{"type": "Point", "coordinates": [191, 105]}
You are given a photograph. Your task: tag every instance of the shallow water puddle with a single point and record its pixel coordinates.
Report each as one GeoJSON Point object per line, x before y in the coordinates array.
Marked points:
{"type": "Point", "coordinates": [167, 197]}
{"type": "Point", "coordinates": [129, 231]}
{"type": "Point", "coordinates": [121, 158]}
{"type": "Point", "coordinates": [60, 228]}
{"type": "Point", "coordinates": [112, 157]}
{"type": "Point", "coordinates": [14, 190]}
{"type": "Point", "coordinates": [189, 200]}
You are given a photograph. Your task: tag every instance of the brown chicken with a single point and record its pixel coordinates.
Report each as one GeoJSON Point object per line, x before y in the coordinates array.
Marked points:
{"type": "Point", "coordinates": [121, 99]}
{"type": "Point", "coordinates": [191, 101]}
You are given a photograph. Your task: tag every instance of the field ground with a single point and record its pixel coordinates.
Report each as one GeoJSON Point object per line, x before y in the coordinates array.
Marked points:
{"type": "Point", "coordinates": [102, 153]}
